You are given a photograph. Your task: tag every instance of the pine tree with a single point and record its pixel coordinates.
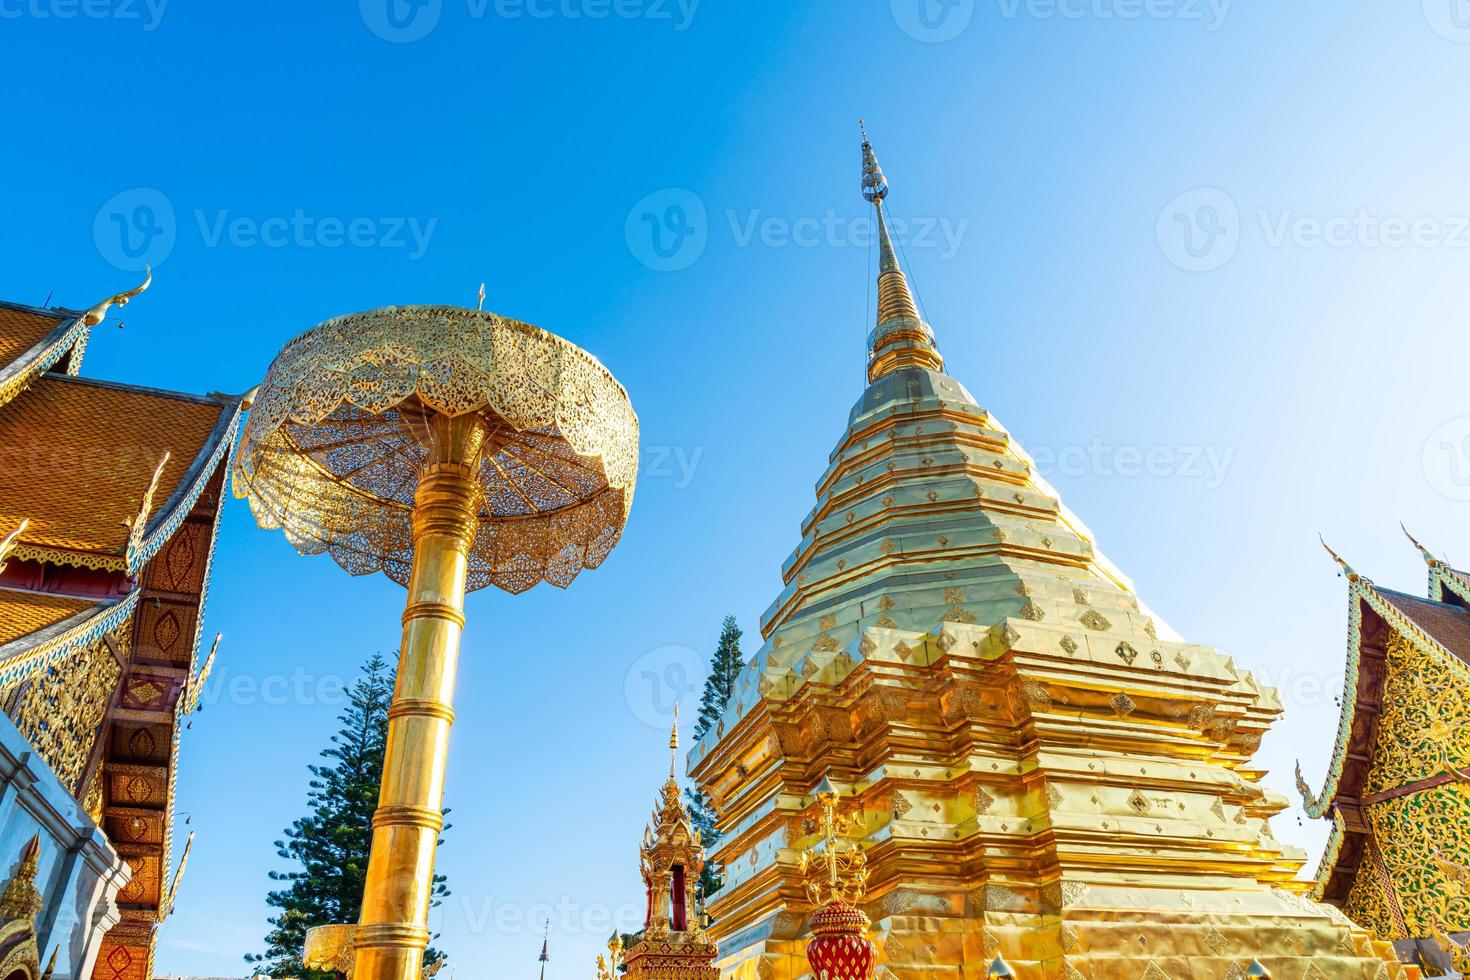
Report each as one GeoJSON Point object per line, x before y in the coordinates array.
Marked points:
{"type": "Point", "coordinates": [332, 843]}
{"type": "Point", "coordinates": [719, 687]}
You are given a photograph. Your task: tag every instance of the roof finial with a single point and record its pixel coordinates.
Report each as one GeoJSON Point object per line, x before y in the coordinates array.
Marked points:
{"type": "Point", "coordinates": [674, 743]}
{"type": "Point", "coordinates": [7, 544]}
{"type": "Point", "coordinates": [545, 948]}
{"type": "Point", "coordinates": [1348, 570]}
{"type": "Point", "coordinates": [1429, 558]}
{"type": "Point", "coordinates": [901, 338]}
{"type": "Point", "coordinates": [95, 315]}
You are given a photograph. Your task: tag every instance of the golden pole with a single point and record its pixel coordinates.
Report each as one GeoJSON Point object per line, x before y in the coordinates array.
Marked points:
{"type": "Point", "coordinates": [393, 931]}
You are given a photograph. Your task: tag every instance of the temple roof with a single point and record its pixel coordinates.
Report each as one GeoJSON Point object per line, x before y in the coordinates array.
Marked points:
{"type": "Point", "coordinates": [23, 613]}
{"type": "Point", "coordinates": [82, 454]}
{"type": "Point", "coordinates": [1446, 624]}
{"type": "Point", "coordinates": [1439, 627]}
{"type": "Point", "coordinates": [23, 327]}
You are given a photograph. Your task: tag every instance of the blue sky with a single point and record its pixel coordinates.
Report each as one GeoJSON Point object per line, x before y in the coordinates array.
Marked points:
{"type": "Point", "coordinates": [1211, 260]}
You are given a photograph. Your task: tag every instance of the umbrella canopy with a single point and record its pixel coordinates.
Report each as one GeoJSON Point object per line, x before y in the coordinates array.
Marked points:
{"type": "Point", "coordinates": [332, 452]}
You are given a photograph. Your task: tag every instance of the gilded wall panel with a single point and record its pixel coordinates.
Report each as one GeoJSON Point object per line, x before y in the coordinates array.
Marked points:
{"type": "Point", "coordinates": [1421, 837]}
{"type": "Point", "coordinates": [60, 711]}
{"type": "Point", "coordinates": [1425, 722]}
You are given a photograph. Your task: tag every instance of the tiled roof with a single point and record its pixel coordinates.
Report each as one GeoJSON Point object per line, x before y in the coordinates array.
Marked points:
{"type": "Point", "coordinates": [23, 613]}
{"type": "Point", "coordinates": [20, 330]}
{"type": "Point", "coordinates": [1447, 624]}
{"type": "Point", "coordinates": [76, 457]}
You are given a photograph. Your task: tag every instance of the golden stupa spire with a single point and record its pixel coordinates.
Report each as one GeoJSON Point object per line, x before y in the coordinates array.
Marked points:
{"type": "Point", "coordinates": [674, 746]}
{"type": "Point", "coordinates": [901, 338]}
{"type": "Point", "coordinates": [21, 899]}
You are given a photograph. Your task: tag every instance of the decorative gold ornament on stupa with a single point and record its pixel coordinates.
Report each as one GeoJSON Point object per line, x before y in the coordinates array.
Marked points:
{"type": "Point", "coordinates": [610, 967]}
{"type": "Point", "coordinates": [1044, 767]}
{"type": "Point", "coordinates": [838, 877]}
{"type": "Point", "coordinates": [451, 449]}
{"type": "Point", "coordinates": [673, 945]}
{"type": "Point", "coordinates": [21, 899]}
{"type": "Point", "coordinates": [1000, 969]}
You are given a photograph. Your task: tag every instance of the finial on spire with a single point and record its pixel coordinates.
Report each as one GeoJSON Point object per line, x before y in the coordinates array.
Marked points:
{"type": "Point", "coordinates": [481, 304]}
{"type": "Point", "coordinates": [545, 948]}
{"type": "Point", "coordinates": [1348, 570]}
{"type": "Point", "coordinates": [674, 744]}
{"type": "Point", "coordinates": [1429, 558]}
{"type": "Point", "coordinates": [901, 338]}
{"type": "Point", "coordinates": [875, 185]}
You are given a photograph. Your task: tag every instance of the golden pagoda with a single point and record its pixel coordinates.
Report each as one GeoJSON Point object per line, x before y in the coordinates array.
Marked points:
{"type": "Point", "coordinates": [1048, 781]}
{"type": "Point", "coordinates": [110, 498]}
{"type": "Point", "coordinates": [673, 944]}
{"type": "Point", "coordinates": [1398, 787]}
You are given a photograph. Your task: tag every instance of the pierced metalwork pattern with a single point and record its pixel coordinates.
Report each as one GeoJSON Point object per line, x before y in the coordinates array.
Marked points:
{"type": "Point", "coordinates": [329, 456]}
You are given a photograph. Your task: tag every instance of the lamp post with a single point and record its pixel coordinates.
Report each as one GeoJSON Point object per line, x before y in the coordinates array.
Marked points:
{"type": "Point", "coordinates": [450, 449]}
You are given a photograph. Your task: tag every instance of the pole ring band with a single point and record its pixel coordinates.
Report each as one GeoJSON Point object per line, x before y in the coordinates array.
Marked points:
{"type": "Point", "coordinates": [433, 610]}
{"type": "Point", "coordinates": [392, 935]}
{"type": "Point", "coordinates": [420, 708]}
{"type": "Point", "coordinates": [407, 815]}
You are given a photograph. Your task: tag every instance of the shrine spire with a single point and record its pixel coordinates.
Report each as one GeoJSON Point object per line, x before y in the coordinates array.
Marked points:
{"type": "Point", "coordinates": [900, 338]}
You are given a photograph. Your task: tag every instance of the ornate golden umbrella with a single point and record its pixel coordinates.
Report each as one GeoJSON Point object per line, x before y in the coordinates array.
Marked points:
{"type": "Point", "coordinates": [452, 449]}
